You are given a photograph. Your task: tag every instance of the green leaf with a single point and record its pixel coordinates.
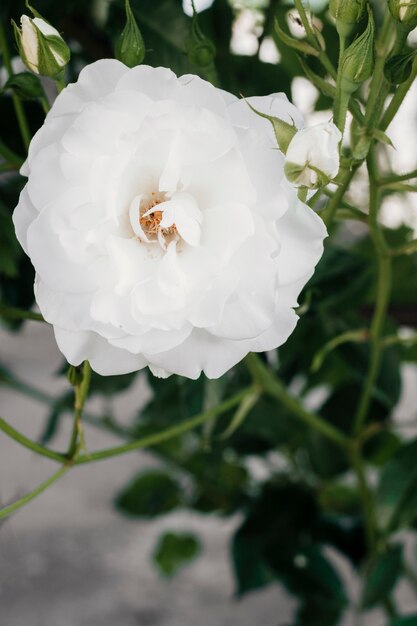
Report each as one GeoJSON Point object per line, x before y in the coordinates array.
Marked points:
{"type": "Point", "coordinates": [25, 85]}
{"type": "Point", "coordinates": [150, 494]}
{"type": "Point", "coordinates": [382, 577]}
{"type": "Point", "coordinates": [396, 495]}
{"type": "Point", "coordinates": [174, 550]}
{"type": "Point", "coordinates": [10, 249]}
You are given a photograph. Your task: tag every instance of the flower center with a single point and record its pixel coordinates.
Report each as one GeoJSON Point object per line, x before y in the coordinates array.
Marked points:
{"type": "Point", "coordinates": [164, 219]}
{"type": "Point", "coordinates": [150, 221]}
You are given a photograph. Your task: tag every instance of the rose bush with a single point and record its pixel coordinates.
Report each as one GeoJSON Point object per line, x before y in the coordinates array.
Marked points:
{"type": "Point", "coordinates": [160, 223]}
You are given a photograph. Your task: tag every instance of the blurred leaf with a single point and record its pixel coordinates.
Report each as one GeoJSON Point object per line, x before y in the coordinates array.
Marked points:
{"type": "Point", "coordinates": [174, 550]}
{"type": "Point", "coordinates": [10, 249]}
{"type": "Point", "coordinates": [382, 577]}
{"type": "Point", "coordinates": [408, 620]}
{"type": "Point", "coordinates": [150, 494]}
{"type": "Point", "coordinates": [381, 447]}
{"type": "Point", "coordinates": [396, 495]}
{"type": "Point", "coordinates": [110, 385]}
{"type": "Point", "coordinates": [26, 85]}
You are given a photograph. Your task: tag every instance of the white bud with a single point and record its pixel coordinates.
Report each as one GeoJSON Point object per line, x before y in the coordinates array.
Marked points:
{"type": "Point", "coordinates": [41, 46]}
{"type": "Point", "coordinates": [312, 157]}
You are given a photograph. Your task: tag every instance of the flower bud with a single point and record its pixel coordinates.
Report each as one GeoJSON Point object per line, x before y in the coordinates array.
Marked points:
{"type": "Point", "coordinates": [312, 158]}
{"type": "Point", "coordinates": [358, 60]}
{"type": "Point", "coordinates": [41, 47]}
{"type": "Point", "coordinates": [201, 50]}
{"type": "Point", "coordinates": [347, 14]}
{"type": "Point", "coordinates": [405, 12]}
{"type": "Point", "coordinates": [130, 47]}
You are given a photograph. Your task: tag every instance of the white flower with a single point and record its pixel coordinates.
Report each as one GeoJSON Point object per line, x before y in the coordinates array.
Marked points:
{"type": "Point", "coordinates": [41, 46]}
{"type": "Point", "coordinates": [312, 158]}
{"type": "Point", "coordinates": [160, 223]}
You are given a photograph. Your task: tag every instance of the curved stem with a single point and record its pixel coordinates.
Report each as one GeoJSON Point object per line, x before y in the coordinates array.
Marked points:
{"type": "Point", "coordinates": [19, 110]}
{"type": "Point", "coordinates": [329, 212]}
{"type": "Point", "coordinates": [28, 443]}
{"type": "Point", "coordinates": [11, 508]}
{"type": "Point", "coordinates": [273, 387]}
{"type": "Point", "coordinates": [169, 433]}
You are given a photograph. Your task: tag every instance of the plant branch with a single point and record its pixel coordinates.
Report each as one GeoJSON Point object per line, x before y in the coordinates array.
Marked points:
{"type": "Point", "coordinates": [382, 296]}
{"type": "Point", "coordinates": [28, 443]}
{"type": "Point", "coordinates": [329, 212]}
{"type": "Point", "coordinates": [81, 393]}
{"type": "Point", "coordinates": [169, 433]}
{"type": "Point", "coordinates": [14, 506]}
{"type": "Point", "coordinates": [273, 387]}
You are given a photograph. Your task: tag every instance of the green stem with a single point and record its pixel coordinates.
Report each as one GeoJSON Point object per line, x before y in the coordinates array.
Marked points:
{"type": "Point", "coordinates": [398, 98]}
{"type": "Point", "coordinates": [382, 296]}
{"type": "Point", "coordinates": [411, 576]}
{"type": "Point", "coordinates": [169, 433]}
{"type": "Point", "coordinates": [307, 27]}
{"type": "Point", "coordinates": [407, 248]}
{"type": "Point", "coordinates": [365, 497]}
{"type": "Point", "coordinates": [28, 443]}
{"type": "Point", "coordinates": [378, 84]}
{"type": "Point", "coordinates": [329, 212]}
{"type": "Point", "coordinates": [10, 156]}
{"type": "Point", "coordinates": [81, 393]}
{"type": "Point", "coordinates": [396, 178]}
{"type": "Point", "coordinates": [13, 313]}
{"type": "Point", "coordinates": [19, 110]}
{"type": "Point", "coordinates": [273, 387]}
{"type": "Point", "coordinates": [11, 508]}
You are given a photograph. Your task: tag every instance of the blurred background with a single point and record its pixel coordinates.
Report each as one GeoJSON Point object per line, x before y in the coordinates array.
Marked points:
{"type": "Point", "coordinates": [158, 537]}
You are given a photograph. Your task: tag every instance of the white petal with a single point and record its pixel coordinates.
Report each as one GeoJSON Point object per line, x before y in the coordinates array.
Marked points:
{"type": "Point", "coordinates": [104, 358]}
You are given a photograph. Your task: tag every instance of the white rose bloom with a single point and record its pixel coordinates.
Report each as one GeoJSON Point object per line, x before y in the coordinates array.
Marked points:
{"type": "Point", "coordinates": [312, 158]}
{"type": "Point", "coordinates": [160, 224]}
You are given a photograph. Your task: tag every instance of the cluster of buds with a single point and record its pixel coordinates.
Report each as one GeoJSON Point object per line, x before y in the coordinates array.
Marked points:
{"type": "Point", "coordinates": [40, 45]}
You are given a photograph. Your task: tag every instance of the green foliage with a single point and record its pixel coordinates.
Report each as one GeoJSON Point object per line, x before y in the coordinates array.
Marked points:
{"type": "Point", "coordinates": [150, 494]}
{"type": "Point", "coordinates": [382, 577]}
{"type": "Point", "coordinates": [174, 550]}
{"type": "Point", "coordinates": [292, 488]}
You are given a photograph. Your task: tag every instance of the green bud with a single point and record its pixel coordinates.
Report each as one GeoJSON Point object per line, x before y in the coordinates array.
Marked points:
{"type": "Point", "coordinates": [75, 375]}
{"type": "Point", "coordinates": [130, 47]}
{"type": "Point", "coordinates": [398, 68]}
{"type": "Point", "coordinates": [405, 12]}
{"type": "Point", "coordinates": [347, 14]}
{"type": "Point", "coordinates": [40, 45]}
{"type": "Point", "coordinates": [284, 132]}
{"type": "Point", "coordinates": [358, 60]}
{"type": "Point", "coordinates": [201, 50]}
